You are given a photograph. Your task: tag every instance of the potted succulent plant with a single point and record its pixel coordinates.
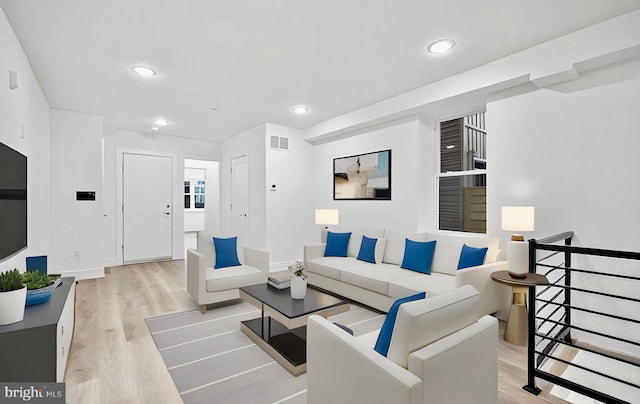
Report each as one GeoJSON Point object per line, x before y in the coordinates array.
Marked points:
{"type": "Point", "coordinates": [298, 280]}
{"type": "Point", "coordinates": [13, 294]}
{"type": "Point", "coordinates": [40, 286]}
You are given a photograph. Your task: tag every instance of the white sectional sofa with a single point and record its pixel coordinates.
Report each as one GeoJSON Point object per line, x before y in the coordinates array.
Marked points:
{"type": "Point", "coordinates": [378, 285]}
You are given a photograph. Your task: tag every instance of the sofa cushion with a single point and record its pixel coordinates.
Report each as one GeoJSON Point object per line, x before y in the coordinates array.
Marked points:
{"type": "Point", "coordinates": [471, 256]}
{"type": "Point", "coordinates": [337, 244]}
{"type": "Point", "coordinates": [418, 255]}
{"type": "Point", "coordinates": [331, 267]}
{"type": "Point", "coordinates": [232, 277]}
{"type": "Point", "coordinates": [371, 249]}
{"type": "Point", "coordinates": [434, 284]}
{"type": "Point", "coordinates": [419, 323]}
{"type": "Point", "coordinates": [386, 332]}
{"type": "Point", "coordinates": [356, 240]}
{"type": "Point", "coordinates": [447, 253]}
{"type": "Point", "coordinates": [226, 250]}
{"type": "Point", "coordinates": [373, 277]}
{"type": "Point", "coordinates": [394, 251]}
{"type": "Point", "coordinates": [367, 250]}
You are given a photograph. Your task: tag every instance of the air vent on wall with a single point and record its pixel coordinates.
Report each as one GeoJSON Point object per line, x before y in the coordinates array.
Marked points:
{"type": "Point", "coordinates": [279, 142]}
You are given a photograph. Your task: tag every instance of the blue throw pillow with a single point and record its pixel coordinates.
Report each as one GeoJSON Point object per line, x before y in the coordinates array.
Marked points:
{"type": "Point", "coordinates": [471, 256]}
{"type": "Point", "coordinates": [384, 338]}
{"type": "Point", "coordinates": [337, 244]}
{"type": "Point", "coordinates": [418, 255]}
{"type": "Point", "coordinates": [226, 252]}
{"type": "Point", "coordinates": [368, 250]}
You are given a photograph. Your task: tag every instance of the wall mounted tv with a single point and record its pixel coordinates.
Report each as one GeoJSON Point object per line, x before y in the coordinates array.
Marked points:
{"type": "Point", "coordinates": [13, 201]}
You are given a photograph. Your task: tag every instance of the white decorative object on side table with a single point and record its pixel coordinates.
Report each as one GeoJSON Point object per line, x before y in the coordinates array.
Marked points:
{"type": "Point", "coordinates": [298, 280]}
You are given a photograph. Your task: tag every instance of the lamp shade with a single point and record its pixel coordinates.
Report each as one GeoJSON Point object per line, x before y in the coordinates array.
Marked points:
{"type": "Point", "coordinates": [327, 216]}
{"type": "Point", "coordinates": [517, 218]}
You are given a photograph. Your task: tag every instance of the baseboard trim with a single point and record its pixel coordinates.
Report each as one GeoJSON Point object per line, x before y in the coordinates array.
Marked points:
{"type": "Point", "coordinates": [81, 274]}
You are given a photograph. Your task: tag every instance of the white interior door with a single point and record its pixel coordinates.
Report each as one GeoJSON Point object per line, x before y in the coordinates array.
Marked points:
{"type": "Point", "coordinates": [240, 196]}
{"type": "Point", "coordinates": [147, 207]}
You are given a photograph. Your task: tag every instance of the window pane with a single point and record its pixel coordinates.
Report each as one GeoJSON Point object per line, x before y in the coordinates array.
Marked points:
{"type": "Point", "coordinates": [187, 201]}
{"type": "Point", "coordinates": [199, 201]}
{"type": "Point", "coordinates": [463, 203]}
{"type": "Point", "coordinates": [186, 187]}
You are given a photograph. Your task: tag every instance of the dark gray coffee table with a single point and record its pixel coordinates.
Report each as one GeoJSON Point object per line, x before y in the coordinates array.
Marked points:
{"type": "Point", "coordinates": [281, 331]}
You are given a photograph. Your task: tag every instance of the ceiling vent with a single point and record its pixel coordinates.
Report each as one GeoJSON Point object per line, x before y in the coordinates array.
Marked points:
{"type": "Point", "coordinates": [279, 142]}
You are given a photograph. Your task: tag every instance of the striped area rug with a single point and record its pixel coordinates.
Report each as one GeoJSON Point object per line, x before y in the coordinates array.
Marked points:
{"type": "Point", "coordinates": [212, 361]}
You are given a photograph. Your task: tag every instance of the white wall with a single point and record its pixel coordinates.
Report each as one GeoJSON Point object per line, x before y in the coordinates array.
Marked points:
{"type": "Point", "coordinates": [574, 157]}
{"type": "Point", "coordinates": [122, 140]}
{"type": "Point", "coordinates": [290, 204]}
{"type": "Point", "coordinates": [410, 208]}
{"type": "Point", "coordinates": [24, 126]}
{"type": "Point", "coordinates": [76, 165]}
{"type": "Point", "coordinates": [252, 144]}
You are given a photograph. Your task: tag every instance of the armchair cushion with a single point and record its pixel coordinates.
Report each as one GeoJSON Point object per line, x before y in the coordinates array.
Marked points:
{"type": "Point", "coordinates": [418, 255]}
{"type": "Point", "coordinates": [386, 332]}
{"type": "Point", "coordinates": [232, 277]}
{"type": "Point", "coordinates": [337, 244]}
{"type": "Point", "coordinates": [226, 250]}
{"type": "Point", "coordinates": [471, 256]}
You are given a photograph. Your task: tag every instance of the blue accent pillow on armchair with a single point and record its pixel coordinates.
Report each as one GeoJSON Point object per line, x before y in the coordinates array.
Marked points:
{"type": "Point", "coordinates": [418, 255]}
{"type": "Point", "coordinates": [471, 256]}
{"type": "Point", "coordinates": [368, 250]}
{"type": "Point", "coordinates": [226, 252]}
{"type": "Point", "coordinates": [337, 244]}
{"type": "Point", "coordinates": [384, 338]}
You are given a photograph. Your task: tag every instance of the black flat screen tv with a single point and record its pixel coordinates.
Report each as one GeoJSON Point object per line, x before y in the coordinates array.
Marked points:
{"type": "Point", "coordinates": [13, 201]}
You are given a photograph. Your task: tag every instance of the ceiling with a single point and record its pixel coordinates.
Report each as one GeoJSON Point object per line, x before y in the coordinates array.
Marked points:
{"type": "Point", "coordinates": [226, 66]}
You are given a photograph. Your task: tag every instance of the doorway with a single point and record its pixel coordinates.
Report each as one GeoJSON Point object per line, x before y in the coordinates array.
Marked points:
{"type": "Point", "coordinates": [147, 217]}
{"type": "Point", "coordinates": [201, 199]}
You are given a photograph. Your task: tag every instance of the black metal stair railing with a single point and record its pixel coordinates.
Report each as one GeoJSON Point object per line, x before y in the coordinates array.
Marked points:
{"type": "Point", "coordinates": [551, 312]}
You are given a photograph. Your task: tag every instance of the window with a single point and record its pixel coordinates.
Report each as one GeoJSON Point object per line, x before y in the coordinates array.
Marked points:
{"type": "Point", "coordinates": [462, 178]}
{"type": "Point", "coordinates": [194, 189]}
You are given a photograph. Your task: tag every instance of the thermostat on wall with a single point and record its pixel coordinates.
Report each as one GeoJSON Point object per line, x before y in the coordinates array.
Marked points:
{"type": "Point", "coordinates": [85, 196]}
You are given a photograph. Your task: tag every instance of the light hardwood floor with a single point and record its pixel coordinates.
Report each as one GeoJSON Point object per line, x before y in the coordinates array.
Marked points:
{"type": "Point", "coordinates": [114, 360]}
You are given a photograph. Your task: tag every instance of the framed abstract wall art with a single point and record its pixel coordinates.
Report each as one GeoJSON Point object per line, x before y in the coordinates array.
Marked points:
{"type": "Point", "coordinates": [363, 176]}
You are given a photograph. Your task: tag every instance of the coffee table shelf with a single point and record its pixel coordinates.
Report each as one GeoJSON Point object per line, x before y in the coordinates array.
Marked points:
{"type": "Point", "coordinates": [281, 330]}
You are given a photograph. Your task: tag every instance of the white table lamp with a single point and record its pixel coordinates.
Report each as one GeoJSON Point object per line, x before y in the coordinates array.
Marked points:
{"type": "Point", "coordinates": [326, 217]}
{"type": "Point", "coordinates": [518, 218]}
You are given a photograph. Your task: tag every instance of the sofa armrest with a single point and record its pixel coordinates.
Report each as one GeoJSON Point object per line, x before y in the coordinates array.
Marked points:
{"type": "Point", "coordinates": [258, 259]}
{"type": "Point", "coordinates": [340, 369]}
{"type": "Point", "coordinates": [313, 251]}
{"type": "Point", "coordinates": [480, 278]}
{"type": "Point", "coordinates": [196, 274]}
{"type": "Point", "coordinates": [461, 367]}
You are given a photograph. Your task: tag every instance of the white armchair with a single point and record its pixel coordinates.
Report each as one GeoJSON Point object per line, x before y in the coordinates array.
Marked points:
{"type": "Point", "coordinates": [208, 285]}
{"type": "Point", "coordinates": [440, 352]}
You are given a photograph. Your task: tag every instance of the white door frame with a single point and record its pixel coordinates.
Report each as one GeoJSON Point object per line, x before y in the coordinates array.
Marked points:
{"type": "Point", "coordinates": [234, 211]}
{"type": "Point", "coordinates": [177, 219]}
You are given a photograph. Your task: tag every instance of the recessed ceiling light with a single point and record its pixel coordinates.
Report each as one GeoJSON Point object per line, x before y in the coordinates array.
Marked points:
{"type": "Point", "coordinates": [155, 128]}
{"type": "Point", "coordinates": [300, 109]}
{"type": "Point", "coordinates": [441, 46]}
{"type": "Point", "coordinates": [162, 122]}
{"type": "Point", "coordinates": [144, 71]}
